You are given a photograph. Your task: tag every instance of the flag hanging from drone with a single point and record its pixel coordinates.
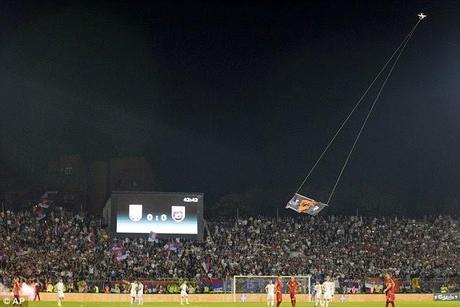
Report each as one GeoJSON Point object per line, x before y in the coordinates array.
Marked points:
{"type": "Point", "coordinates": [303, 204]}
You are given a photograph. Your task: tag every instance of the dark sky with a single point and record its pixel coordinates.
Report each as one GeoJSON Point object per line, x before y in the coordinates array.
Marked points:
{"type": "Point", "coordinates": [229, 97]}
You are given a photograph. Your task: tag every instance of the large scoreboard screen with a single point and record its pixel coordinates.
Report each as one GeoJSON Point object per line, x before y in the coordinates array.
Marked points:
{"type": "Point", "coordinates": [135, 214]}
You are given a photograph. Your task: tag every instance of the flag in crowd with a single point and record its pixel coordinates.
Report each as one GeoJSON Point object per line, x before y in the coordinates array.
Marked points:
{"type": "Point", "coordinates": [119, 251]}
{"type": "Point", "coordinates": [152, 237]}
{"type": "Point", "coordinates": [173, 245]}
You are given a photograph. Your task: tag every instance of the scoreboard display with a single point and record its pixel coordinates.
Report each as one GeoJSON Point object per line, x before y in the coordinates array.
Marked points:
{"type": "Point", "coordinates": [140, 214]}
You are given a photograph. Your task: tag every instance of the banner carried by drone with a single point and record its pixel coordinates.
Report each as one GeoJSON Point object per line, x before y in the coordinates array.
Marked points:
{"type": "Point", "coordinates": [303, 204]}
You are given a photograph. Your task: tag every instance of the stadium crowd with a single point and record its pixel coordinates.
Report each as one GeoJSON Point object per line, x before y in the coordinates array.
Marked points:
{"type": "Point", "coordinates": [47, 243]}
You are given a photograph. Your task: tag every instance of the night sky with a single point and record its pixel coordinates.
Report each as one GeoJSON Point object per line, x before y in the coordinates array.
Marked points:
{"type": "Point", "coordinates": [238, 97]}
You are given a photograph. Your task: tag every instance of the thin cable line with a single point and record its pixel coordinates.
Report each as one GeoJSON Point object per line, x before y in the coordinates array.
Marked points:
{"type": "Point", "coordinates": [369, 114]}
{"type": "Point", "coordinates": [356, 106]}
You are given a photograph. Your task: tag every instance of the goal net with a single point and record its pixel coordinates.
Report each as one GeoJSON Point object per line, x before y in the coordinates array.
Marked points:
{"type": "Point", "coordinates": [252, 288]}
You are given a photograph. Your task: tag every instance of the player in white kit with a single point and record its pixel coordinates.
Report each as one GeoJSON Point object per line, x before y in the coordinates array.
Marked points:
{"type": "Point", "coordinates": [183, 293]}
{"type": "Point", "coordinates": [318, 294]}
{"type": "Point", "coordinates": [133, 291]}
{"type": "Point", "coordinates": [60, 292]}
{"type": "Point", "coordinates": [270, 289]}
{"type": "Point", "coordinates": [328, 289]}
{"type": "Point", "coordinates": [140, 293]}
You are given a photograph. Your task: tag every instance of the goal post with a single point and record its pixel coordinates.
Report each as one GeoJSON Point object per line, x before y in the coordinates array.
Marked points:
{"type": "Point", "coordinates": [250, 288]}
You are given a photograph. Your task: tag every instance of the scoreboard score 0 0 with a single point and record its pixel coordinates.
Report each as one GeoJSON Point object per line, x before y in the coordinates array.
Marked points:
{"type": "Point", "coordinates": [137, 214]}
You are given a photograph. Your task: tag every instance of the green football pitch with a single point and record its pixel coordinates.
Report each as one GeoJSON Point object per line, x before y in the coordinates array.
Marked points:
{"type": "Point", "coordinates": [123, 304]}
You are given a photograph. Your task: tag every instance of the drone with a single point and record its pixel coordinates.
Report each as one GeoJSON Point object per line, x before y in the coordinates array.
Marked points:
{"type": "Point", "coordinates": [421, 16]}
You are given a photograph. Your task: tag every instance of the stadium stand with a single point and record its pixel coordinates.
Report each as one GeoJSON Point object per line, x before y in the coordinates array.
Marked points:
{"type": "Point", "coordinates": [47, 243]}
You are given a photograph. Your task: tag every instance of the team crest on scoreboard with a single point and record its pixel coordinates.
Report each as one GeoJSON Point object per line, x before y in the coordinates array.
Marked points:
{"type": "Point", "coordinates": [178, 213]}
{"type": "Point", "coordinates": [135, 212]}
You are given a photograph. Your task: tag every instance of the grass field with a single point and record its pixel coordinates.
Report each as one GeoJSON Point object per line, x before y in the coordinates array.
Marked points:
{"type": "Point", "coordinates": [123, 304]}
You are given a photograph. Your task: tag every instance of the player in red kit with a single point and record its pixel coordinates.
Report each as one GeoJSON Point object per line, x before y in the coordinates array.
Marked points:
{"type": "Point", "coordinates": [390, 290]}
{"type": "Point", "coordinates": [36, 289]}
{"type": "Point", "coordinates": [292, 286]}
{"type": "Point", "coordinates": [279, 291]}
{"type": "Point", "coordinates": [16, 291]}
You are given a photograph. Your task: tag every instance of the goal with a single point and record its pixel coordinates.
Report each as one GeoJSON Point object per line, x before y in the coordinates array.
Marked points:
{"type": "Point", "coordinates": [250, 288]}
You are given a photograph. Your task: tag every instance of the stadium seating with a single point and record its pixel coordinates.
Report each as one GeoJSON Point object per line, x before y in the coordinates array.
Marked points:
{"type": "Point", "coordinates": [47, 243]}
